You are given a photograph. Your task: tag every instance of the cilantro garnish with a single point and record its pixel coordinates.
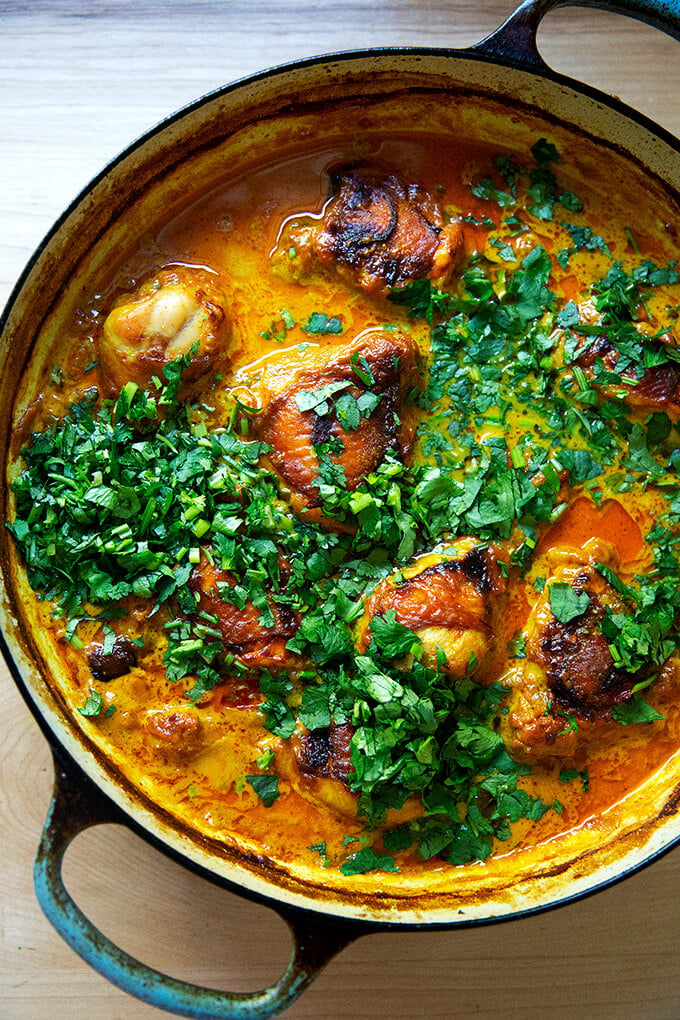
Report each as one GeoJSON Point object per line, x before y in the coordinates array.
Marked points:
{"type": "Point", "coordinates": [320, 849]}
{"type": "Point", "coordinates": [566, 604]}
{"type": "Point", "coordinates": [569, 775]}
{"type": "Point", "coordinates": [318, 400]}
{"type": "Point", "coordinates": [529, 286]}
{"type": "Point", "coordinates": [93, 705]}
{"type": "Point", "coordinates": [266, 787]}
{"type": "Point", "coordinates": [572, 722]}
{"type": "Point", "coordinates": [104, 511]}
{"type": "Point", "coordinates": [648, 635]}
{"type": "Point", "coordinates": [391, 637]}
{"type": "Point", "coordinates": [542, 191]}
{"type": "Point", "coordinates": [583, 239]}
{"type": "Point", "coordinates": [278, 329]}
{"type": "Point", "coordinates": [422, 298]}
{"type": "Point", "coordinates": [319, 322]}
{"type": "Point", "coordinates": [634, 710]}
{"type": "Point", "coordinates": [348, 409]}
{"type": "Point", "coordinates": [568, 316]}
{"type": "Point", "coordinates": [367, 860]}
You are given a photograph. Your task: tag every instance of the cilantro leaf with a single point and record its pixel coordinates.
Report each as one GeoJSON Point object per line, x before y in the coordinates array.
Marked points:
{"type": "Point", "coordinates": [397, 839]}
{"type": "Point", "coordinates": [566, 604]}
{"type": "Point", "coordinates": [319, 322]}
{"type": "Point", "coordinates": [318, 400]}
{"type": "Point", "coordinates": [314, 711]}
{"type": "Point", "coordinates": [367, 860]}
{"type": "Point", "coordinates": [93, 705]}
{"type": "Point", "coordinates": [423, 298]}
{"type": "Point", "coordinates": [466, 845]}
{"type": "Point", "coordinates": [634, 710]}
{"type": "Point", "coordinates": [392, 638]}
{"type": "Point", "coordinates": [266, 787]}
{"type": "Point", "coordinates": [544, 152]}
{"type": "Point", "coordinates": [528, 285]}
{"type": "Point", "coordinates": [486, 189]}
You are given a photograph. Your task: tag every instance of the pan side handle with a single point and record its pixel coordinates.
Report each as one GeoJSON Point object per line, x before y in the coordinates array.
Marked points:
{"type": "Point", "coordinates": [75, 808]}
{"type": "Point", "coordinates": [515, 40]}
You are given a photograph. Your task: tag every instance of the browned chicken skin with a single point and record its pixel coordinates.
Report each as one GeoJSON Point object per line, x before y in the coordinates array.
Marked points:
{"type": "Point", "coordinates": [385, 232]}
{"type": "Point", "coordinates": [160, 322]}
{"type": "Point", "coordinates": [581, 672]}
{"type": "Point", "coordinates": [318, 766]}
{"type": "Point", "coordinates": [377, 230]}
{"type": "Point", "coordinates": [325, 753]}
{"type": "Point", "coordinates": [243, 632]}
{"type": "Point", "coordinates": [657, 390]}
{"type": "Point", "coordinates": [177, 732]}
{"type": "Point", "coordinates": [111, 665]}
{"type": "Point", "coordinates": [451, 600]}
{"type": "Point", "coordinates": [568, 673]}
{"type": "Point", "coordinates": [294, 434]}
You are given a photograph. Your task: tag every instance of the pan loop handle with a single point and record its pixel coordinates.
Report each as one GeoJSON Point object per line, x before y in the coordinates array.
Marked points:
{"type": "Point", "coordinates": [515, 41]}
{"type": "Point", "coordinates": [74, 808]}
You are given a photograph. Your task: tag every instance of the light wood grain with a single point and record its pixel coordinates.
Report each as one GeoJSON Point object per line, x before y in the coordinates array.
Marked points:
{"type": "Point", "coordinates": [78, 81]}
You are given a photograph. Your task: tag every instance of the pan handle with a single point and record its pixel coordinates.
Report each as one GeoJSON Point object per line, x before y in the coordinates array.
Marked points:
{"type": "Point", "coordinates": [515, 40]}
{"type": "Point", "coordinates": [74, 808]}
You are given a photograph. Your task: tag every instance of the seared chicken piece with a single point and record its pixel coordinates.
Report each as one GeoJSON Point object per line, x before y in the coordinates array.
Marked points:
{"type": "Point", "coordinates": [657, 390]}
{"type": "Point", "coordinates": [387, 359]}
{"type": "Point", "coordinates": [326, 752]}
{"type": "Point", "coordinates": [317, 764]}
{"type": "Point", "coordinates": [111, 665]}
{"type": "Point", "coordinates": [160, 322]}
{"type": "Point", "coordinates": [451, 600]}
{"type": "Point", "coordinates": [568, 680]}
{"type": "Point", "coordinates": [176, 732]}
{"type": "Point", "coordinates": [321, 766]}
{"type": "Point", "coordinates": [378, 231]}
{"type": "Point", "coordinates": [243, 630]}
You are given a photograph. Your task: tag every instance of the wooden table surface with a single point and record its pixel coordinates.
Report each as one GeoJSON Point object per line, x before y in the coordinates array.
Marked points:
{"type": "Point", "coordinates": [80, 79]}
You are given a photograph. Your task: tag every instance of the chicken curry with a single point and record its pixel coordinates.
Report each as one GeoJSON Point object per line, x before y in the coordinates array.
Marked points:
{"type": "Point", "coordinates": [350, 505]}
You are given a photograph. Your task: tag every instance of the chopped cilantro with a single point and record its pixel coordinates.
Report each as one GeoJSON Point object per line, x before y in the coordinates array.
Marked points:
{"type": "Point", "coordinates": [391, 637]}
{"type": "Point", "coordinates": [397, 839]}
{"type": "Point", "coordinates": [367, 860]}
{"type": "Point", "coordinates": [423, 298]}
{"type": "Point", "coordinates": [320, 849]}
{"type": "Point", "coordinates": [362, 369]}
{"type": "Point", "coordinates": [266, 787]}
{"type": "Point", "coordinates": [634, 710]}
{"type": "Point", "coordinates": [319, 400]}
{"type": "Point", "coordinates": [93, 705]}
{"type": "Point", "coordinates": [528, 285]}
{"type": "Point", "coordinates": [486, 189]}
{"type": "Point", "coordinates": [264, 760]}
{"type": "Point", "coordinates": [569, 775]}
{"type": "Point", "coordinates": [319, 322]}
{"type": "Point", "coordinates": [572, 724]}
{"type": "Point", "coordinates": [568, 316]}
{"type": "Point", "coordinates": [566, 604]}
